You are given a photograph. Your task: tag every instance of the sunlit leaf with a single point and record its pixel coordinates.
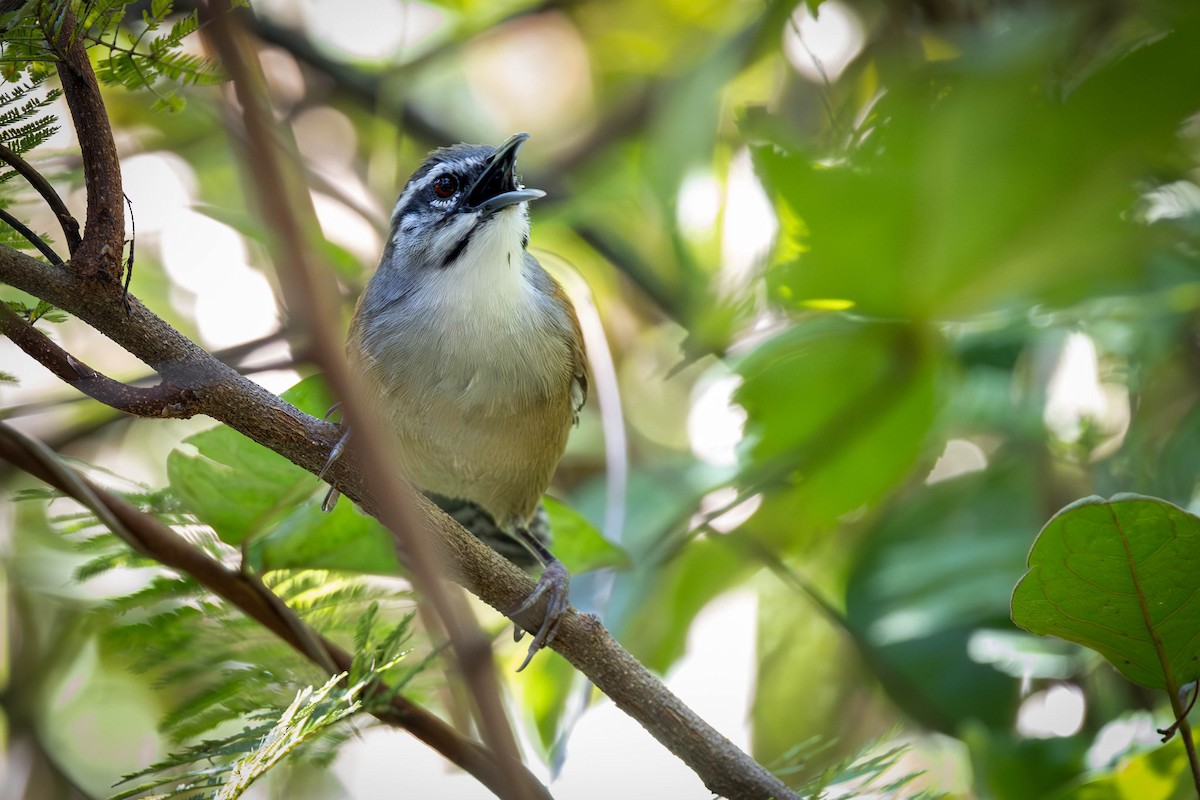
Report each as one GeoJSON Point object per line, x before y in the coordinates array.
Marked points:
{"type": "Point", "coordinates": [1161, 774]}
{"type": "Point", "coordinates": [577, 543]}
{"type": "Point", "coordinates": [974, 191]}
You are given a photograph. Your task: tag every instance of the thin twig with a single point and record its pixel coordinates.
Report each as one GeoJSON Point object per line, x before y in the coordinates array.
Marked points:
{"type": "Point", "coordinates": [68, 223]}
{"type": "Point", "coordinates": [35, 240]}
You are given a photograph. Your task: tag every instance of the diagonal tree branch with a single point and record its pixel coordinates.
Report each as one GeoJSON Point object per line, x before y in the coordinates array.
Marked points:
{"type": "Point", "coordinates": [163, 400]}
{"type": "Point", "coordinates": [148, 536]}
{"type": "Point", "coordinates": [217, 390]}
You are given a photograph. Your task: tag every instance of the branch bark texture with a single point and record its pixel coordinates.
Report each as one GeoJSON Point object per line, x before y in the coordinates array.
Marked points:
{"type": "Point", "coordinates": [104, 240]}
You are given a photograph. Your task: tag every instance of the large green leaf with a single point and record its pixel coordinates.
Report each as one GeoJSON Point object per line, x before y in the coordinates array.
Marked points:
{"type": "Point", "coordinates": [838, 413]}
{"type": "Point", "coordinates": [237, 486]}
{"type": "Point", "coordinates": [1121, 576]}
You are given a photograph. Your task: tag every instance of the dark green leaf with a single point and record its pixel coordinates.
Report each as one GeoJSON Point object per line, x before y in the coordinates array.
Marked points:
{"type": "Point", "coordinates": [932, 575]}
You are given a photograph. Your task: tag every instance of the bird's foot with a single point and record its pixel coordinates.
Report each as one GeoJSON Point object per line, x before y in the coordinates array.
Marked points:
{"type": "Point", "coordinates": [555, 583]}
{"type": "Point", "coordinates": [331, 497]}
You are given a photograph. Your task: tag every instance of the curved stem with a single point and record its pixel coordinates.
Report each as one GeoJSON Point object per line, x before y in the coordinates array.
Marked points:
{"type": "Point", "coordinates": [68, 223]}
{"type": "Point", "coordinates": [31, 237]}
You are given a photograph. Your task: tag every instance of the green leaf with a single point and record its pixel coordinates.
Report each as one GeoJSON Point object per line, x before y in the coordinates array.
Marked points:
{"type": "Point", "coordinates": [343, 539]}
{"type": "Point", "coordinates": [160, 8]}
{"type": "Point", "coordinates": [1119, 576]}
{"type": "Point", "coordinates": [237, 486]}
{"type": "Point", "coordinates": [838, 412]}
{"type": "Point", "coordinates": [310, 713]}
{"type": "Point", "coordinates": [676, 592]}
{"type": "Point", "coordinates": [577, 543]}
{"type": "Point", "coordinates": [938, 214]}
{"type": "Point", "coordinates": [1160, 774]}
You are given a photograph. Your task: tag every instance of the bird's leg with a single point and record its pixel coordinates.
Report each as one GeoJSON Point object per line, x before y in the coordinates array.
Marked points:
{"type": "Point", "coordinates": [331, 497]}
{"type": "Point", "coordinates": [555, 583]}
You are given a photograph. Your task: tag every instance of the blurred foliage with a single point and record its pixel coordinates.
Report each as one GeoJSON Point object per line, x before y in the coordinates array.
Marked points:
{"type": "Point", "coordinates": [952, 287]}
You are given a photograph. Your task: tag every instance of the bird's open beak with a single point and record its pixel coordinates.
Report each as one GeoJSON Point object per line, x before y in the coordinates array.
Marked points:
{"type": "Point", "coordinates": [497, 187]}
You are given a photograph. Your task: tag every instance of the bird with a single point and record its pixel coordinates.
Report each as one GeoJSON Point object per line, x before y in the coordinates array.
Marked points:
{"type": "Point", "coordinates": [473, 355]}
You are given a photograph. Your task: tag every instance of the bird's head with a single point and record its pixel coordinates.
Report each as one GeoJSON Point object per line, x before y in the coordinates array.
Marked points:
{"type": "Point", "coordinates": [454, 196]}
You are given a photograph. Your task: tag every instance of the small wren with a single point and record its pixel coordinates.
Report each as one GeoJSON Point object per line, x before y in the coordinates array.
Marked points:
{"type": "Point", "coordinates": [474, 356]}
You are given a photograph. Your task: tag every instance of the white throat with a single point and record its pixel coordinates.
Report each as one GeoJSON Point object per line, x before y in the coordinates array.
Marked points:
{"type": "Point", "coordinates": [486, 285]}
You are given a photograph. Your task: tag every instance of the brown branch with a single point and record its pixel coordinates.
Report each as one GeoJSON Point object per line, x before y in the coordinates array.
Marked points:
{"type": "Point", "coordinates": [306, 441]}
{"type": "Point", "coordinates": [31, 237]}
{"type": "Point", "coordinates": [70, 225]}
{"type": "Point", "coordinates": [104, 232]}
{"type": "Point", "coordinates": [152, 538]}
{"type": "Point", "coordinates": [163, 400]}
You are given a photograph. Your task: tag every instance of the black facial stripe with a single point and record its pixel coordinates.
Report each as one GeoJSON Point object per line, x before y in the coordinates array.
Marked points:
{"type": "Point", "coordinates": [458, 249]}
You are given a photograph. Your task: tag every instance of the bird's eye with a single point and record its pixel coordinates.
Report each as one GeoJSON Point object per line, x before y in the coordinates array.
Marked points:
{"type": "Point", "coordinates": [445, 185]}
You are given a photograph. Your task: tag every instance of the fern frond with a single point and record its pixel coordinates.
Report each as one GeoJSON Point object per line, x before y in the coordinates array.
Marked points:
{"type": "Point", "coordinates": [867, 771]}
{"type": "Point", "coordinates": [141, 62]}
{"type": "Point", "coordinates": [310, 713]}
{"type": "Point", "coordinates": [25, 121]}
{"type": "Point", "coordinates": [224, 669]}
{"type": "Point", "coordinates": [230, 765]}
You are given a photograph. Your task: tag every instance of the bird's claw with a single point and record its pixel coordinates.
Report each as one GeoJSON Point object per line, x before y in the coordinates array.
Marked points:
{"type": "Point", "coordinates": [331, 497]}
{"type": "Point", "coordinates": [555, 583]}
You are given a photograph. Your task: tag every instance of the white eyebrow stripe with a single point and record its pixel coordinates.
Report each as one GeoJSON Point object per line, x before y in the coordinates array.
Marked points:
{"type": "Point", "coordinates": [416, 186]}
